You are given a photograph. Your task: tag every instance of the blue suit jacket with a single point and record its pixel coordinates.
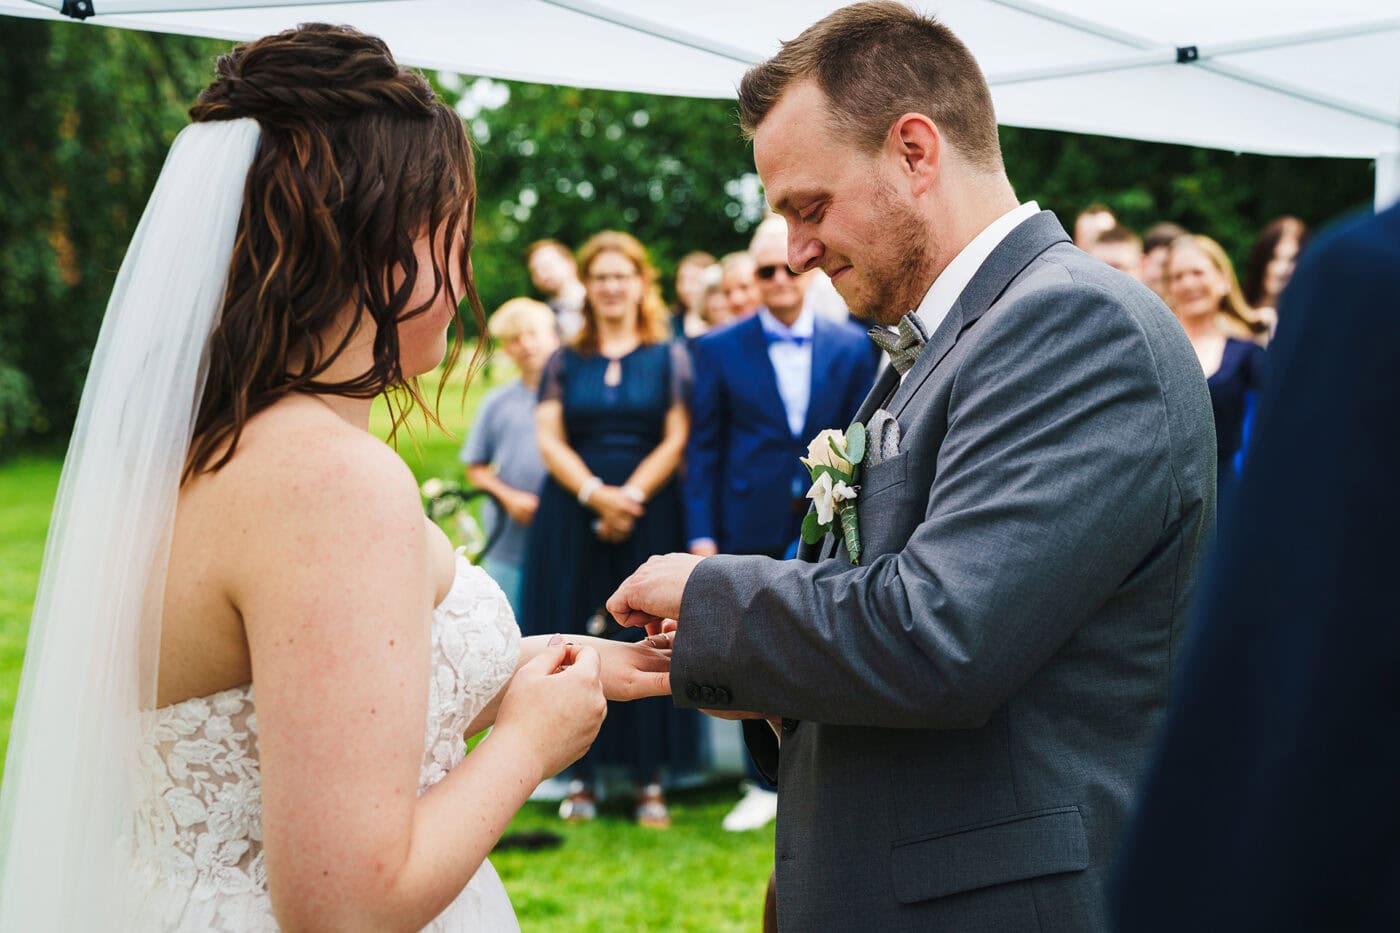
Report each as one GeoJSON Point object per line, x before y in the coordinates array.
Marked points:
{"type": "Point", "coordinates": [742, 461]}
{"type": "Point", "coordinates": [1274, 801]}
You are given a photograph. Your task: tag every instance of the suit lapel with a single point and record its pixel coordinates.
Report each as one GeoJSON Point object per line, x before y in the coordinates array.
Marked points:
{"type": "Point", "coordinates": [1019, 249]}
{"type": "Point", "coordinates": [754, 349]}
{"type": "Point", "coordinates": [819, 402]}
{"type": "Point", "coordinates": [1012, 255]}
{"type": "Point", "coordinates": [939, 343]}
{"type": "Point", "coordinates": [884, 385]}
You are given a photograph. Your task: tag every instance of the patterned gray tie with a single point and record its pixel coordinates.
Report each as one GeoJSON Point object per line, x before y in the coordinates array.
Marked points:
{"type": "Point", "coordinates": [904, 343]}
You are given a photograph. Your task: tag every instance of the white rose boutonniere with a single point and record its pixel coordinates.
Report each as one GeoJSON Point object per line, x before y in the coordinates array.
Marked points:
{"type": "Point", "coordinates": [834, 458]}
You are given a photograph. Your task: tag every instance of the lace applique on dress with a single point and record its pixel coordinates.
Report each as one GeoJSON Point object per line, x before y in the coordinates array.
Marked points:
{"type": "Point", "coordinates": [198, 836]}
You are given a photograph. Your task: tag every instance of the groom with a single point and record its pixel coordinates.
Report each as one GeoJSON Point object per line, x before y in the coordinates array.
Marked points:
{"type": "Point", "coordinates": [964, 712]}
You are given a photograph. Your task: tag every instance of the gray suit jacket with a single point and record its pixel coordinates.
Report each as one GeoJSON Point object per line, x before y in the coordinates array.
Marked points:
{"type": "Point", "coordinates": [967, 712]}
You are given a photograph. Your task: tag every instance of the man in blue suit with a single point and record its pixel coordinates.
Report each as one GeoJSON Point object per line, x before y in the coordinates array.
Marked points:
{"type": "Point", "coordinates": [764, 387]}
{"type": "Point", "coordinates": [1274, 801]}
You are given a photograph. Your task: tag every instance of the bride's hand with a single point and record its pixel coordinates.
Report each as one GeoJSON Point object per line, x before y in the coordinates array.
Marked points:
{"type": "Point", "coordinates": [554, 705]}
{"type": "Point", "coordinates": [632, 670]}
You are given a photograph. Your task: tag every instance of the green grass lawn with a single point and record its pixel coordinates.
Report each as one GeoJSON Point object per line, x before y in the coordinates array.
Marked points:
{"type": "Point", "coordinates": [609, 875]}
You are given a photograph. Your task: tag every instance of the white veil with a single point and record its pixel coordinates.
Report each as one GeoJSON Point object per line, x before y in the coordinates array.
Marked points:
{"type": "Point", "coordinates": [72, 777]}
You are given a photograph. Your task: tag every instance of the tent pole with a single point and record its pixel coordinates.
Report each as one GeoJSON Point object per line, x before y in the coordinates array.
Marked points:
{"type": "Point", "coordinates": [650, 27]}
{"type": "Point", "coordinates": [1070, 21]}
{"type": "Point", "coordinates": [1269, 43]}
{"type": "Point", "coordinates": [1387, 179]}
{"type": "Point", "coordinates": [1298, 93]}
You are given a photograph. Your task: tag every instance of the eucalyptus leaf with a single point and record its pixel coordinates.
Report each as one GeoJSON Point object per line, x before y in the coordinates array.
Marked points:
{"type": "Point", "coordinates": [837, 476]}
{"type": "Point", "coordinates": [812, 529]}
{"type": "Point", "coordinates": [850, 533]}
{"type": "Point", "coordinates": [855, 443]}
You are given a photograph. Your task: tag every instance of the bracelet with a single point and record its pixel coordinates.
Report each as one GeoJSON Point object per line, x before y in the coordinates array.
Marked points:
{"type": "Point", "coordinates": [635, 494]}
{"type": "Point", "coordinates": [589, 487]}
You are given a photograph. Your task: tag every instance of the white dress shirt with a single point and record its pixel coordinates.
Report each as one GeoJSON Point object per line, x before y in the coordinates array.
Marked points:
{"type": "Point", "coordinates": [944, 291]}
{"type": "Point", "coordinates": [790, 352]}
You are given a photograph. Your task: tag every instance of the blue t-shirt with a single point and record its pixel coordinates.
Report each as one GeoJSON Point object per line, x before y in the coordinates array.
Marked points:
{"type": "Point", "coordinates": [503, 436]}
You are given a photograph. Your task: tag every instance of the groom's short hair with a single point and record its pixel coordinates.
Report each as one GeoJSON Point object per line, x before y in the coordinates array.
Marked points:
{"type": "Point", "coordinates": [875, 62]}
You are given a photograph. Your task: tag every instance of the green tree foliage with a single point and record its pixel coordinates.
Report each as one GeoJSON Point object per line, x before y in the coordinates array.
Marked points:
{"type": "Point", "coordinates": [1224, 195]}
{"type": "Point", "coordinates": [565, 163]}
{"type": "Point", "coordinates": [88, 115]}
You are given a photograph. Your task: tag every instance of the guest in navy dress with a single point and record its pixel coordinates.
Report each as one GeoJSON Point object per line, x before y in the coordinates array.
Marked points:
{"type": "Point", "coordinates": [612, 423]}
{"type": "Point", "coordinates": [1225, 332]}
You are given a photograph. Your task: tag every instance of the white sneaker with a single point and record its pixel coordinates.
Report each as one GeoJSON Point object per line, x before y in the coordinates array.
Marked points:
{"type": "Point", "coordinates": [758, 808]}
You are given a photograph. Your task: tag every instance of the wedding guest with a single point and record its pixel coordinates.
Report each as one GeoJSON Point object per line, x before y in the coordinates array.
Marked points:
{"type": "Point", "coordinates": [1206, 299]}
{"type": "Point", "coordinates": [1119, 247]}
{"type": "Point", "coordinates": [715, 311]}
{"type": "Point", "coordinates": [501, 454]}
{"type": "Point", "coordinates": [554, 271]}
{"type": "Point", "coordinates": [1270, 806]}
{"type": "Point", "coordinates": [1155, 245]}
{"type": "Point", "coordinates": [764, 388]}
{"type": "Point", "coordinates": [688, 273]}
{"type": "Point", "coordinates": [612, 424]}
{"type": "Point", "coordinates": [1272, 259]}
{"type": "Point", "coordinates": [740, 287]}
{"type": "Point", "coordinates": [1090, 222]}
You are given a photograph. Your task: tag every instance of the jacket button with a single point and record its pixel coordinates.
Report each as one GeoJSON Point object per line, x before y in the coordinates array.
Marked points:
{"type": "Point", "coordinates": [789, 726]}
{"type": "Point", "coordinates": [707, 694]}
{"type": "Point", "coordinates": [722, 695]}
{"type": "Point", "coordinates": [692, 692]}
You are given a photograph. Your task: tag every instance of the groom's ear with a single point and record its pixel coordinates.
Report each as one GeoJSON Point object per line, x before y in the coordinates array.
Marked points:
{"type": "Point", "coordinates": [918, 146]}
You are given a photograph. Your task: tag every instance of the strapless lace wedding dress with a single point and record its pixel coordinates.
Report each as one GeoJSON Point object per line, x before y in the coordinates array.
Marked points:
{"type": "Point", "coordinates": [198, 845]}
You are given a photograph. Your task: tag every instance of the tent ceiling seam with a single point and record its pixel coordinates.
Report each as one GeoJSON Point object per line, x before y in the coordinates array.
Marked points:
{"type": "Point", "coordinates": [1061, 18]}
{"type": "Point", "coordinates": [606, 14]}
{"type": "Point", "coordinates": [1270, 43]}
{"type": "Point", "coordinates": [1244, 75]}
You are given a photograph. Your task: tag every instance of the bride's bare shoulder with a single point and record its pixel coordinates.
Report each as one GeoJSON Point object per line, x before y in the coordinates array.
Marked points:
{"type": "Point", "coordinates": [299, 455]}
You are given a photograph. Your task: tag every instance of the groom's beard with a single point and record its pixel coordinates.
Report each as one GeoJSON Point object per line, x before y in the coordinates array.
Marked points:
{"type": "Point", "coordinates": [900, 275]}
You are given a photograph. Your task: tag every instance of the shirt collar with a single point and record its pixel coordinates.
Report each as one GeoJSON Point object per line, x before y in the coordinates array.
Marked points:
{"type": "Point", "coordinates": [802, 327]}
{"type": "Point", "coordinates": [944, 291]}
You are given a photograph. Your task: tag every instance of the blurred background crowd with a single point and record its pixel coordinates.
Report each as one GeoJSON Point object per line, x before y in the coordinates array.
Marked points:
{"type": "Point", "coordinates": [638, 427]}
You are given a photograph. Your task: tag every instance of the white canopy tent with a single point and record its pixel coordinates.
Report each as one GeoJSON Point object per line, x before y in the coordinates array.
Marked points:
{"type": "Point", "coordinates": [1276, 77]}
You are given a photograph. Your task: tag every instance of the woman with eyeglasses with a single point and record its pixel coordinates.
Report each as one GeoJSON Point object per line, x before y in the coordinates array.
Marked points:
{"type": "Point", "coordinates": [612, 424]}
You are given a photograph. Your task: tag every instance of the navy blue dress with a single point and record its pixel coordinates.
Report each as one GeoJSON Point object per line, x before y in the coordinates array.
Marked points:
{"type": "Point", "coordinates": [570, 573]}
{"type": "Point", "coordinates": [1233, 390]}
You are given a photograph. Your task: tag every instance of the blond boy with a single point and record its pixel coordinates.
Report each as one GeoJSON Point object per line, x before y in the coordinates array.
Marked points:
{"type": "Point", "coordinates": [501, 455]}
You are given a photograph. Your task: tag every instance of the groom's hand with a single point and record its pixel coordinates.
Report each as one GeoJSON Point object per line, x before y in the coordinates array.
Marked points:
{"type": "Point", "coordinates": [653, 594]}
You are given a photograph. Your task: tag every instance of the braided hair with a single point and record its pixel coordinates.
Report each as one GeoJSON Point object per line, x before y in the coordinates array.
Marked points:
{"type": "Point", "coordinates": [357, 159]}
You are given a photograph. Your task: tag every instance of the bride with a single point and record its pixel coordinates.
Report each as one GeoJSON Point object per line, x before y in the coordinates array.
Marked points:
{"type": "Point", "coordinates": [226, 523]}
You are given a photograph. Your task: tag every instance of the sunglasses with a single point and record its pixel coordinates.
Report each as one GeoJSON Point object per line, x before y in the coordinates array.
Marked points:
{"type": "Point", "coordinates": [766, 273]}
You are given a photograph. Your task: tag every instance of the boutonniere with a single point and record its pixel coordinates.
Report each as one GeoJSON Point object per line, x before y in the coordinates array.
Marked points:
{"type": "Point", "coordinates": [834, 458]}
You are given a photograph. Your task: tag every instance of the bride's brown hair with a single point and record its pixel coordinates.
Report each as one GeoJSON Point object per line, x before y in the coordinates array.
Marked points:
{"type": "Point", "coordinates": [357, 159]}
